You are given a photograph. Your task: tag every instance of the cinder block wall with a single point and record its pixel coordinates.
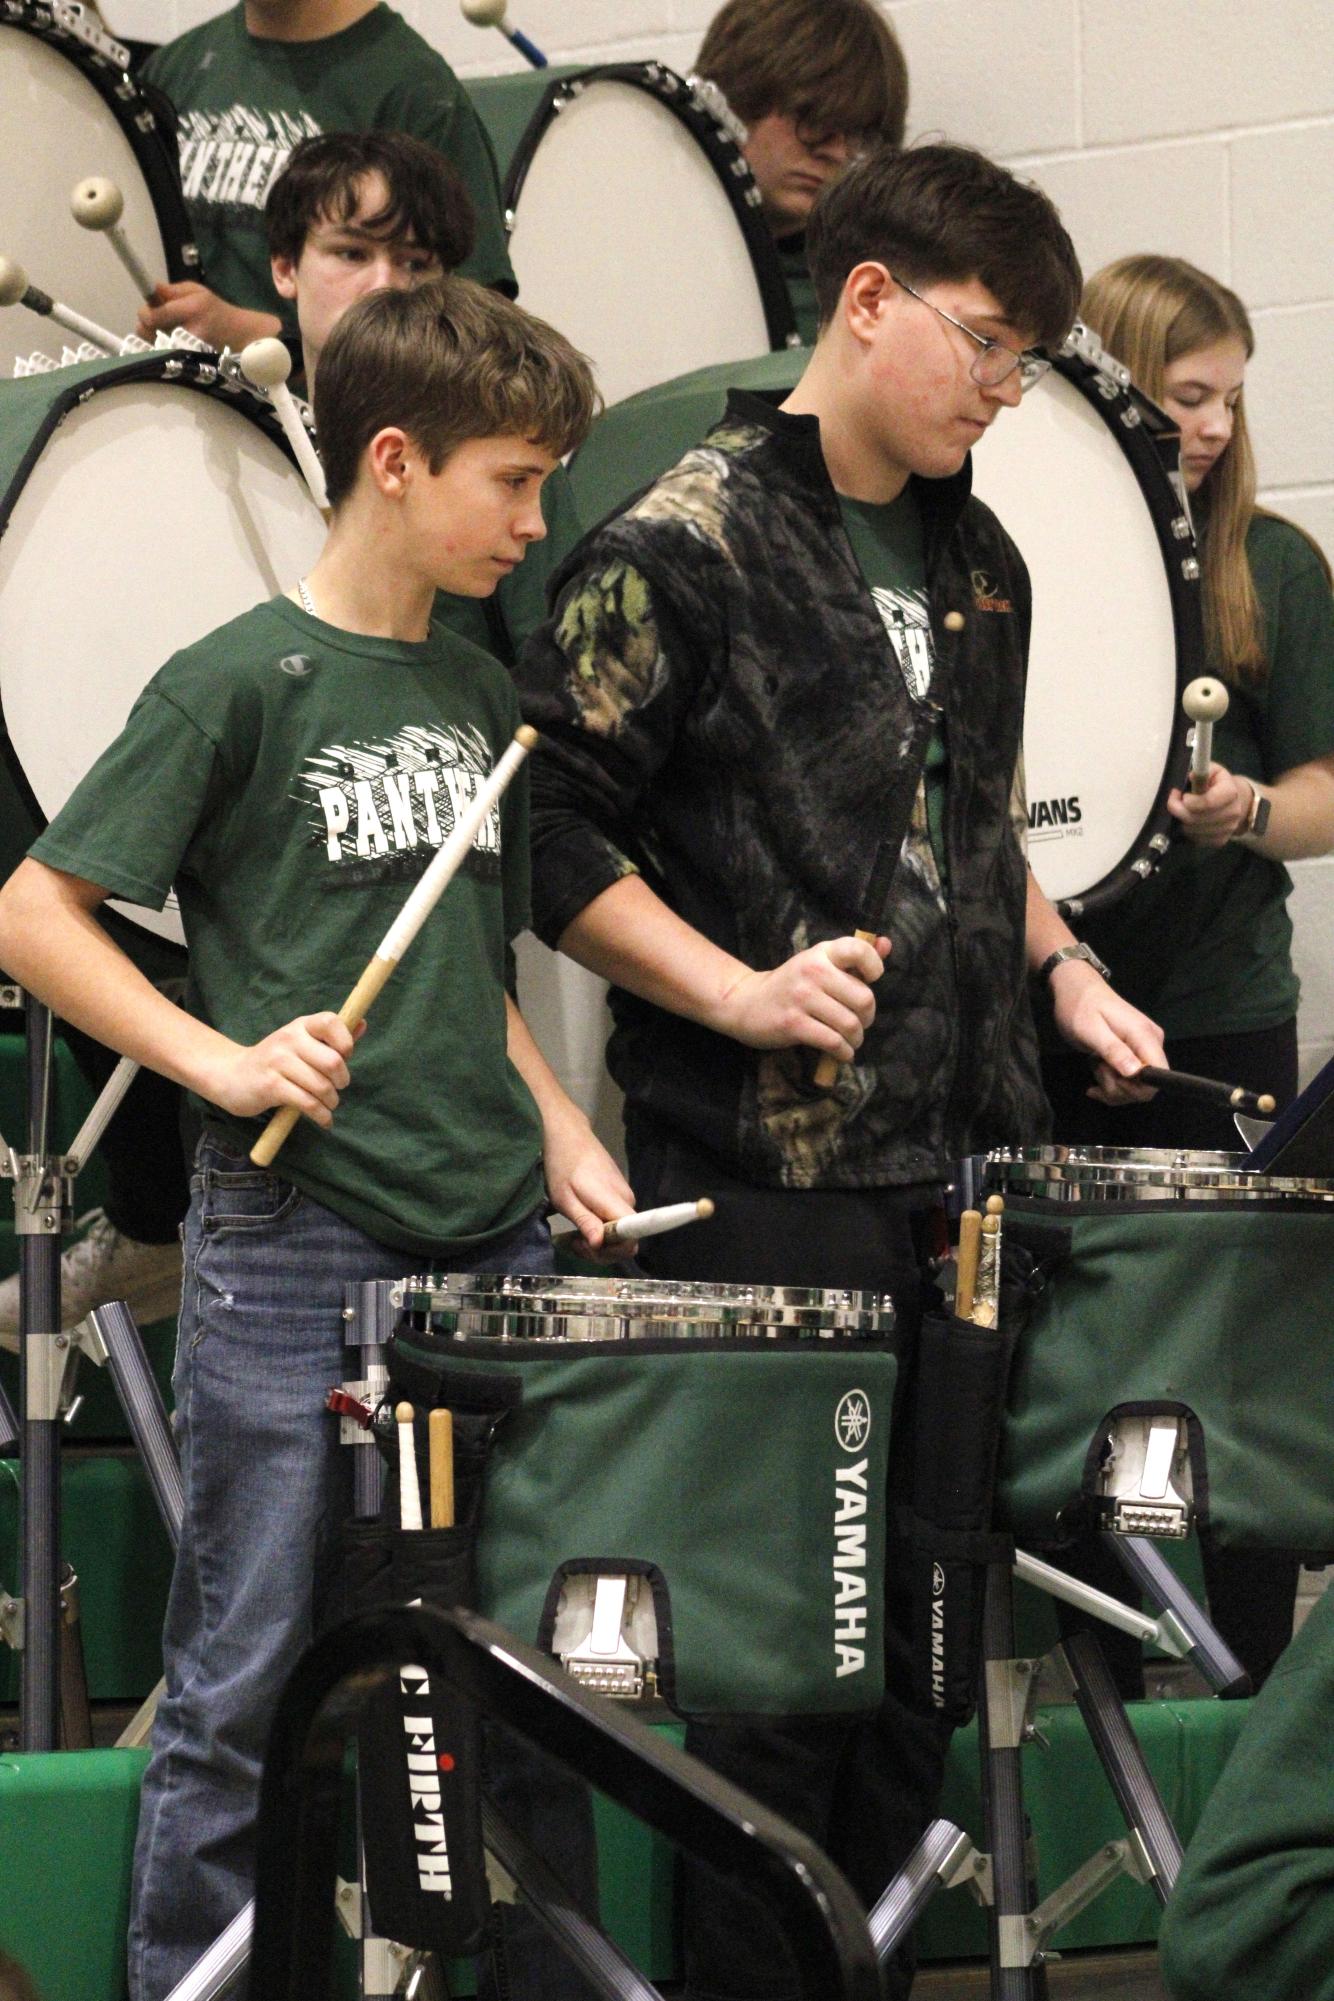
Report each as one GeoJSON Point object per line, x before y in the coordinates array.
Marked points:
{"type": "Point", "coordinates": [1204, 128]}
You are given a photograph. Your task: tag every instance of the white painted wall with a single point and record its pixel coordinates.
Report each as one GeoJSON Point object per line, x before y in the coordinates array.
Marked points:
{"type": "Point", "coordinates": [1203, 128]}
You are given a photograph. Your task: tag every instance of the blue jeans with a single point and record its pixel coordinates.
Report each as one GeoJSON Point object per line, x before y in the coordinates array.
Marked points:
{"type": "Point", "coordinates": [266, 1485]}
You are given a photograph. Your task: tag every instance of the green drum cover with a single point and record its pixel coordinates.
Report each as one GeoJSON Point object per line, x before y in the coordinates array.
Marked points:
{"type": "Point", "coordinates": [747, 1473]}
{"type": "Point", "coordinates": [1223, 1310]}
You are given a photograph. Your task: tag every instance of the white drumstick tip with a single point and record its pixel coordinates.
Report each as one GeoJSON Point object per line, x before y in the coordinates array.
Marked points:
{"type": "Point", "coordinates": [97, 203]}
{"type": "Point", "coordinates": [13, 282]}
{"type": "Point", "coordinates": [483, 13]}
{"type": "Point", "coordinates": [266, 362]}
{"type": "Point", "coordinates": [409, 1488]}
{"type": "Point", "coordinates": [1205, 700]}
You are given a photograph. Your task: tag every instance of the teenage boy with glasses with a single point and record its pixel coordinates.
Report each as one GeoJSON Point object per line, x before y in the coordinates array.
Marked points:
{"type": "Point", "coordinates": [799, 654]}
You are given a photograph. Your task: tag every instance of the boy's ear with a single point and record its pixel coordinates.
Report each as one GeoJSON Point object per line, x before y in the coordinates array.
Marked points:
{"type": "Point", "coordinates": [867, 291]}
{"type": "Point", "coordinates": [283, 271]}
{"type": "Point", "coordinates": [389, 457]}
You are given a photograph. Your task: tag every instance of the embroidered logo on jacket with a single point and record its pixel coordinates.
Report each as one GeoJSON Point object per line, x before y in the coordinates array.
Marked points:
{"type": "Point", "coordinates": [984, 593]}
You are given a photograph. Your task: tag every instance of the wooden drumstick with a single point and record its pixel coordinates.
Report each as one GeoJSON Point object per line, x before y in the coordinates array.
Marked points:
{"type": "Point", "coordinates": [828, 1067]}
{"type": "Point", "coordinates": [267, 364]}
{"type": "Point", "coordinates": [1255, 1104]}
{"type": "Point", "coordinates": [16, 291]}
{"type": "Point", "coordinates": [970, 1245]}
{"type": "Point", "coordinates": [445, 865]}
{"type": "Point", "coordinates": [409, 1487]}
{"type": "Point", "coordinates": [1205, 702]}
{"type": "Point", "coordinates": [440, 1439]}
{"type": "Point", "coordinates": [491, 14]}
{"type": "Point", "coordinates": [99, 204]}
{"type": "Point", "coordinates": [986, 1306]}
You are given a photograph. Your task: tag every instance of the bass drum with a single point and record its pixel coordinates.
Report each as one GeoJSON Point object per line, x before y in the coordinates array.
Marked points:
{"type": "Point", "coordinates": [1084, 476]}
{"type": "Point", "coordinates": [68, 109]}
{"type": "Point", "coordinates": [142, 503]}
{"type": "Point", "coordinates": [636, 229]}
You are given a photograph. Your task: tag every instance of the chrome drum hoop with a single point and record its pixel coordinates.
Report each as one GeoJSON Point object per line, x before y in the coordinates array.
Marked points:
{"type": "Point", "coordinates": [543, 1307]}
{"type": "Point", "coordinates": [1113, 1174]}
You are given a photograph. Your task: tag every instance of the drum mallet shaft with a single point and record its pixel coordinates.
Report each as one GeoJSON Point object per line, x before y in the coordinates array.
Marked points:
{"type": "Point", "coordinates": [1254, 1104]}
{"type": "Point", "coordinates": [16, 291]}
{"type": "Point", "coordinates": [447, 861]}
{"type": "Point", "coordinates": [409, 1488]}
{"type": "Point", "coordinates": [267, 364]}
{"type": "Point", "coordinates": [491, 14]}
{"type": "Point", "coordinates": [645, 1222]}
{"type": "Point", "coordinates": [99, 204]}
{"type": "Point", "coordinates": [970, 1246]}
{"type": "Point", "coordinates": [1205, 702]}
{"type": "Point", "coordinates": [440, 1441]}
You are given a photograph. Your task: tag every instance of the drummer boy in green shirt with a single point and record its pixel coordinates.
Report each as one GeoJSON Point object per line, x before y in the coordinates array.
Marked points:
{"type": "Point", "coordinates": [291, 776]}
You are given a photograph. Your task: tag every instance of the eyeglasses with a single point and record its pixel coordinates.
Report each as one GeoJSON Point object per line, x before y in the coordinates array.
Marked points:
{"type": "Point", "coordinates": [993, 363]}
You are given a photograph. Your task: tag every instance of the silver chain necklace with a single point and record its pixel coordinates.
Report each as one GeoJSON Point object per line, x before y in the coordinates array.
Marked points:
{"type": "Point", "coordinates": [307, 602]}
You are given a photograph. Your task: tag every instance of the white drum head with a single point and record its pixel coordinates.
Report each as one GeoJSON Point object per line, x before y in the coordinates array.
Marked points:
{"type": "Point", "coordinates": [625, 238]}
{"type": "Point", "coordinates": [153, 514]}
{"type": "Point", "coordinates": [1102, 679]}
{"type": "Point", "coordinates": [55, 130]}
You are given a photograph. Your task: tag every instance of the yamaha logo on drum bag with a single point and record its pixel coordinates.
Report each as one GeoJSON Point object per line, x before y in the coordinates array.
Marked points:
{"type": "Point", "coordinates": [852, 1428]}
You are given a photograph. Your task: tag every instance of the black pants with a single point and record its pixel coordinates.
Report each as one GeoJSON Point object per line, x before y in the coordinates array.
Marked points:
{"type": "Point", "coordinates": [863, 1789]}
{"type": "Point", "coordinates": [1251, 1593]}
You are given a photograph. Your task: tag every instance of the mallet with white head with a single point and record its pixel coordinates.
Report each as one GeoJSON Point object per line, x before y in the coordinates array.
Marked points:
{"type": "Point", "coordinates": [491, 14]}
{"type": "Point", "coordinates": [98, 204]}
{"type": "Point", "coordinates": [1205, 702]}
{"type": "Point", "coordinates": [16, 291]}
{"type": "Point", "coordinates": [267, 364]}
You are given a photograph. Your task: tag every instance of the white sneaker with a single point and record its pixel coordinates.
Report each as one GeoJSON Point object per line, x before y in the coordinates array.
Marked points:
{"type": "Point", "coordinates": [105, 1265]}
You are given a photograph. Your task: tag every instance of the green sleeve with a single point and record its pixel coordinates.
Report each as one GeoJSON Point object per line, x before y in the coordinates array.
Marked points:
{"type": "Point", "coordinates": [445, 119]}
{"type": "Point", "coordinates": [1253, 1912]}
{"type": "Point", "coordinates": [1299, 638]}
{"type": "Point", "coordinates": [130, 824]}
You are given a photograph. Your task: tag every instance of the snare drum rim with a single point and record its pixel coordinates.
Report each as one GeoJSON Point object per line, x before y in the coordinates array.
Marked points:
{"type": "Point", "coordinates": [138, 110]}
{"type": "Point", "coordinates": [723, 154]}
{"type": "Point", "coordinates": [758, 1310]}
{"type": "Point", "coordinates": [1020, 1171]}
{"type": "Point", "coordinates": [185, 368]}
{"type": "Point", "coordinates": [1149, 442]}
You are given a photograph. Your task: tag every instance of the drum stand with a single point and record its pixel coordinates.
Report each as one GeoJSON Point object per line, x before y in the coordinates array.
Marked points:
{"type": "Point", "coordinates": [1002, 1876]}
{"type": "Point", "coordinates": [38, 1622]}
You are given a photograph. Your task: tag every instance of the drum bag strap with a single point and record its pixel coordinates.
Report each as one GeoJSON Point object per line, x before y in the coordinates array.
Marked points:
{"type": "Point", "coordinates": [959, 1408]}
{"type": "Point", "coordinates": [418, 1752]}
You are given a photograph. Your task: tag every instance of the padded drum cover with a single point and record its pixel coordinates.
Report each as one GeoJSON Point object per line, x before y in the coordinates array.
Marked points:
{"type": "Point", "coordinates": [56, 130]}
{"type": "Point", "coordinates": [1102, 677]}
{"type": "Point", "coordinates": [625, 238]}
{"type": "Point", "coordinates": [154, 514]}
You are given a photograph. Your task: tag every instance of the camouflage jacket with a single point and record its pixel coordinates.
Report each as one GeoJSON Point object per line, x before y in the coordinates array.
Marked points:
{"type": "Point", "coordinates": [722, 712]}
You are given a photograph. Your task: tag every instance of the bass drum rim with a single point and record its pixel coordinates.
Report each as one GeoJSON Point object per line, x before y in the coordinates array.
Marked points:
{"type": "Point", "coordinates": [182, 368]}
{"type": "Point", "coordinates": [138, 110]}
{"type": "Point", "coordinates": [1147, 439]}
{"type": "Point", "coordinates": [729, 164]}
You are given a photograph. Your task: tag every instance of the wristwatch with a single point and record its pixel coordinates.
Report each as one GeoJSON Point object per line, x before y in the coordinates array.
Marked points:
{"type": "Point", "coordinates": [1258, 818]}
{"type": "Point", "coordinates": [1064, 952]}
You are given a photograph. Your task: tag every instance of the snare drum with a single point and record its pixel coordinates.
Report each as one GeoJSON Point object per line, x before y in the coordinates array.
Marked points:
{"type": "Point", "coordinates": [1173, 1366]}
{"type": "Point", "coordinates": [68, 109]}
{"type": "Point", "coordinates": [686, 1489]}
{"type": "Point", "coordinates": [636, 229]}
{"type": "Point", "coordinates": [142, 503]}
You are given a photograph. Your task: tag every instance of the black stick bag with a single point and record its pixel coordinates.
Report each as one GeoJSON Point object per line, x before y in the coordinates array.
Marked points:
{"type": "Point", "coordinates": [419, 1746]}
{"type": "Point", "coordinates": [959, 1410]}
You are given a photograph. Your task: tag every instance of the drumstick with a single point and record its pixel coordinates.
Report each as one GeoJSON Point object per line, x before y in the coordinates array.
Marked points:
{"type": "Point", "coordinates": [440, 1439]}
{"type": "Point", "coordinates": [491, 14]}
{"type": "Point", "coordinates": [267, 364]}
{"type": "Point", "coordinates": [965, 1281]}
{"type": "Point", "coordinates": [986, 1306]}
{"type": "Point", "coordinates": [98, 204]}
{"type": "Point", "coordinates": [642, 1223]}
{"type": "Point", "coordinates": [409, 1490]}
{"type": "Point", "coordinates": [16, 291]}
{"type": "Point", "coordinates": [1255, 1104]}
{"type": "Point", "coordinates": [828, 1067]}
{"type": "Point", "coordinates": [445, 865]}
{"type": "Point", "coordinates": [1205, 702]}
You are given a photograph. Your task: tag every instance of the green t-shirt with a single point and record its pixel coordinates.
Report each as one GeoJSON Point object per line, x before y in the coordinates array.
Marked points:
{"type": "Point", "coordinates": [292, 781]}
{"type": "Point", "coordinates": [1205, 946]}
{"type": "Point", "coordinates": [243, 101]}
{"type": "Point", "coordinates": [888, 543]}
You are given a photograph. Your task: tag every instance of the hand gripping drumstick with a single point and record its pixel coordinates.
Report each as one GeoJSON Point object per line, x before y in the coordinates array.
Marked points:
{"type": "Point", "coordinates": [1254, 1104]}
{"type": "Point", "coordinates": [491, 14]}
{"type": "Point", "coordinates": [445, 865]}
{"type": "Point", "coordinates": [440, 1439]}
{"type": "Point", "coordinates": [642, 1223]}
{"type": "Point", "coordinates": [16, 291]}
{"type": "Point", "coordinates": [98, 204]}
{"type": "Point", "coordinates": [409, 1489]}
{"type": "Point", "coordinates": [267, 364]}
{"type": "Point", "coordinates": [1205, 702]}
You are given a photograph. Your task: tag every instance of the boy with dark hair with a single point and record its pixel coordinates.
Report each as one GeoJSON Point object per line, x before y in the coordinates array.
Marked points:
{"type": "Point", "coordinates": [815, 83]}
{"type": "Point", "coordinates": [784, 698]}
{"type": "Point", "coordinates": [305, 762]}
{"type": "Point", "coordinates": [247, 86]}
